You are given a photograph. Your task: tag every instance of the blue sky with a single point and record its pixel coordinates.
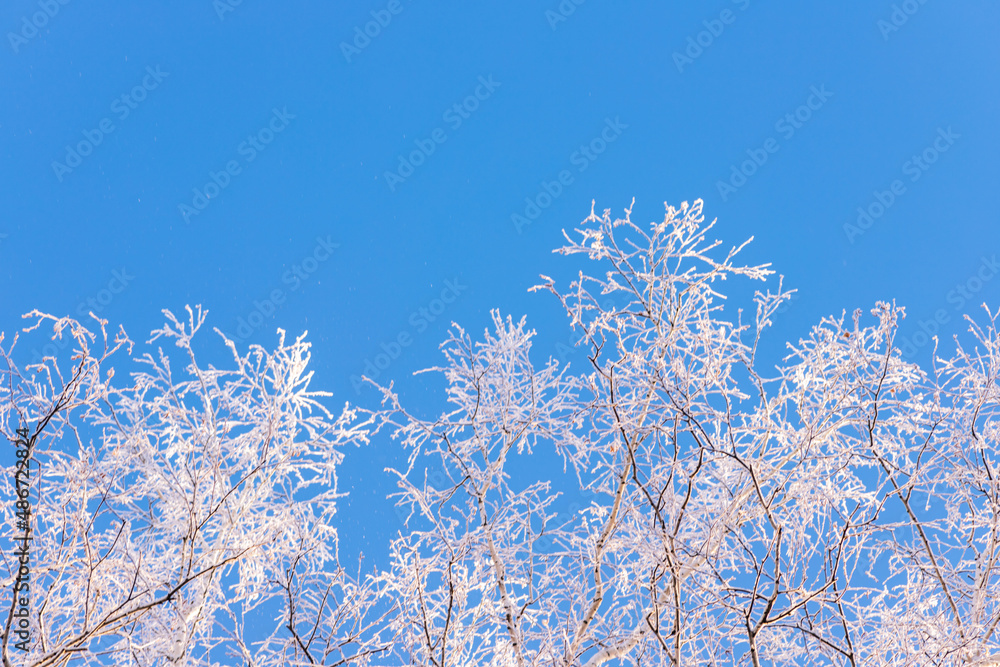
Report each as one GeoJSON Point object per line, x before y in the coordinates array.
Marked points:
{"type": "Point", "coordinates": [275, 164]}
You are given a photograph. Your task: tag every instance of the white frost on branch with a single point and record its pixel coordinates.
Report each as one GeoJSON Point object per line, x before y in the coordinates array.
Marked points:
{"type": "Point", "coordinates": [174, 506]}
{"type": "Point", "coordinates": [840, 509]}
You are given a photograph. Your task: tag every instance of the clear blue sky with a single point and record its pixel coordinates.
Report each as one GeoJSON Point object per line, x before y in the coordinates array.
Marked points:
{"type": "Point", "coordinates": [223, 154]}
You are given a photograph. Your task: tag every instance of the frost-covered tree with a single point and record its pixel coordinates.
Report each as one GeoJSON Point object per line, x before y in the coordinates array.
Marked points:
{"type": "Point", "coordinates": [841, 509]}
{"type": "Point", "coordinates": [169, 509]}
